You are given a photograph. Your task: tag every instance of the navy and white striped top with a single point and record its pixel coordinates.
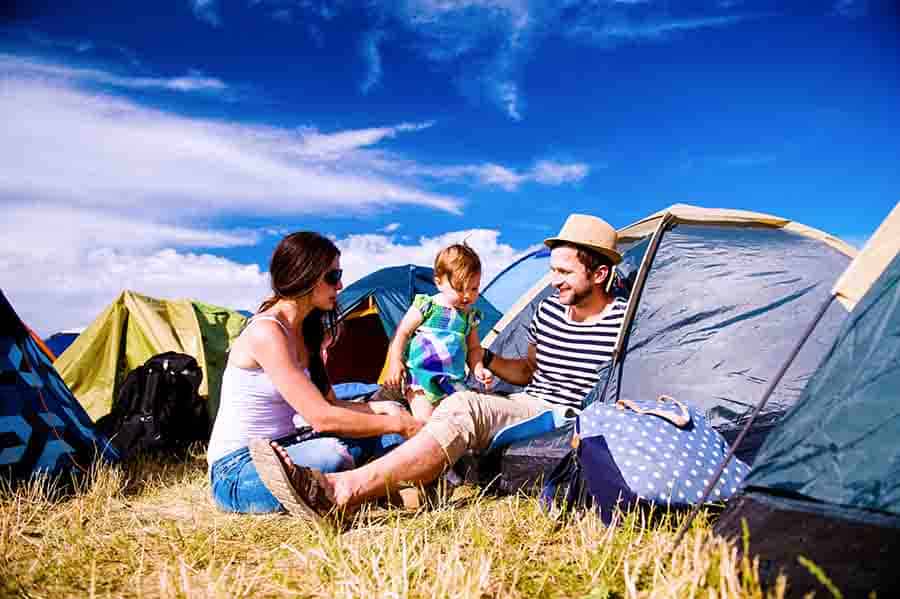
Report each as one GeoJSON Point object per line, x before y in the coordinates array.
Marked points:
{"type": "Point", "coordinates": [570, 354]}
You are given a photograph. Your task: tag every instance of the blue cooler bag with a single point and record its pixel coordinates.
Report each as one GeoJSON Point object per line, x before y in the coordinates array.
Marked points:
{"type": "Point", "coordinates": [653, 452]}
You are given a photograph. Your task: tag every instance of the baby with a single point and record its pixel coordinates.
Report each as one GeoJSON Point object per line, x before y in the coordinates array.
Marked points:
{"type": "Point", "coordinates": [438, 335]}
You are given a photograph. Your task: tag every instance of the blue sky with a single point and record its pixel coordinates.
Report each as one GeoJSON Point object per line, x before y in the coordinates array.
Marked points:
{"type": "Point", "coordinates": [166, 147]}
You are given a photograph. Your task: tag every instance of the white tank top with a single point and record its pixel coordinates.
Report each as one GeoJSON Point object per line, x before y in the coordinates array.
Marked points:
{"type": "Point", "coordinates": [249, 407]}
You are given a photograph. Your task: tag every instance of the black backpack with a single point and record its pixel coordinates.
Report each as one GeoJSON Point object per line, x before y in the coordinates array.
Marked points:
{"type": "Point", "coordinates": [158, 408]}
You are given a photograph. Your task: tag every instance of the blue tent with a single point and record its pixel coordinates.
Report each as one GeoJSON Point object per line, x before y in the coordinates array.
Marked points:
{"type": "Point", "coordinates": [826, 483]}
{"type": "Point", "coordinates": [517, 278]}
{"type": "Point", "coordinates": [43, 428]}
{"type": "Point", "coordinates": [369, 312]}
{"type": "Point", "coordinates": [60, 342]}
{"type": "Point", "coordinates": [719, 298]}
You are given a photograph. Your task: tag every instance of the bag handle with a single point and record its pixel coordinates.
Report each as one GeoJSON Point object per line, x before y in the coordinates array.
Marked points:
{"type": "Point", "coordinates": [681, 418]}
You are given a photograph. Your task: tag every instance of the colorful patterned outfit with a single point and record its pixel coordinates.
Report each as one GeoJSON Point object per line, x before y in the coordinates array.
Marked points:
{"type": "Point", "coordinates": [436, 356]}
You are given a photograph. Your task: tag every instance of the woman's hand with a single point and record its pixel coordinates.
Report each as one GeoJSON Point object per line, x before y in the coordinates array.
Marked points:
{"type": "Point", "coordinates": [396, 375]}
{"type": "Point", "coordinates": [409, 425]}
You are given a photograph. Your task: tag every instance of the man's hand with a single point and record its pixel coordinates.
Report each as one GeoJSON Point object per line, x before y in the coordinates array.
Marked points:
{"type": "Point", "coordinates": [485, 376]}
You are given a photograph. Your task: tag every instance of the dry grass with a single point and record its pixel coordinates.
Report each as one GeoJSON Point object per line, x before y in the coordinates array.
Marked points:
{"type": "Point", "coordinates": [151, 531]}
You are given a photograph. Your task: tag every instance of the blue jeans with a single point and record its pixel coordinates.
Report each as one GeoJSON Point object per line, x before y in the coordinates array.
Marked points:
{"type": "Point", "coordinates": [236, 486]}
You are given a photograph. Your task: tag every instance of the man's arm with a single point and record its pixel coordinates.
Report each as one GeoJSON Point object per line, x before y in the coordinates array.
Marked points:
{"type": "Point", "coordinates": [517, 371]}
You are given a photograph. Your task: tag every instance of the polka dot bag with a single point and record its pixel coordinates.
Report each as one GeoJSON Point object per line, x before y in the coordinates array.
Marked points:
{"type": "Point", "coordinates": [659, 452]}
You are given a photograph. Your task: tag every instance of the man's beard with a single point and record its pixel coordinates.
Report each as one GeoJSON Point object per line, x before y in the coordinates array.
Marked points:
{"type": "Point", "coordinates": [577, 297]}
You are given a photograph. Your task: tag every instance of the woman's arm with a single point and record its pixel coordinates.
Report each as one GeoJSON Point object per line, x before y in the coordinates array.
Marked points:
{"type": "Point", "coordinates": [270, 348]}
{"type": "Point", "coordinates": [408, 325]}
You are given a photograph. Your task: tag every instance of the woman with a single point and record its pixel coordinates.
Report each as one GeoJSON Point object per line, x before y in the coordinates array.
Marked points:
{"type": "Point", "coordinates": [275, 372]}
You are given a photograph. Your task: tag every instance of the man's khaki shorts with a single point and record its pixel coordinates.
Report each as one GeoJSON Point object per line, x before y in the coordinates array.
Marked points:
{"type": "Point", "coordinates": [468, 420]}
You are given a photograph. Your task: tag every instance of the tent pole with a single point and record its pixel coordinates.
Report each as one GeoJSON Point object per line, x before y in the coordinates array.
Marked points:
{"type": "Point", "coordinates": [737, 442]}
{"type": "Point", "coordinates": [634, 299]}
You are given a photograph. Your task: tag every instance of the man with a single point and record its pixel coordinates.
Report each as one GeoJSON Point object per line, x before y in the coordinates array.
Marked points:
{"type": "Point", "coordinates": [571, 336]}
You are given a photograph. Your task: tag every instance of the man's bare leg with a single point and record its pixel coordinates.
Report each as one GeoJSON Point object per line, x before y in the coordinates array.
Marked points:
{"type": "Point", "coordinates": [419, 460]}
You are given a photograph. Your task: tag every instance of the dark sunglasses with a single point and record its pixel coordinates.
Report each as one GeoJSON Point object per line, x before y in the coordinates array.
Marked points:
{"type": "Point", "coordinates": [333, 277]}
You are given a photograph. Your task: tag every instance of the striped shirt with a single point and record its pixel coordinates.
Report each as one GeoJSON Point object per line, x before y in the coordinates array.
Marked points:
{"type": "Point", "coordinates": [570, 354]}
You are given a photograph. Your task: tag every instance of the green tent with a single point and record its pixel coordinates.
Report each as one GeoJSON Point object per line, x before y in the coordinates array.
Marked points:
{"type": "Point", "coordinates": [370, 310]}
{"type": "Point", "coordinates": [826, 484]}
{"type": "Point", "coordinates": [135, 327]}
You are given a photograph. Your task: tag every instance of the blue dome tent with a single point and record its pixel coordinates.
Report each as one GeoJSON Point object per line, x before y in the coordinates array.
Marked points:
{"type": "Point", "coordinates": [826, 482]}
{"type": "Point", "coordinates": [369, 312]}
{"type": "Point", "coordinates": [718, 299]}
{"type": "Point", "coordinates": [43, 428]}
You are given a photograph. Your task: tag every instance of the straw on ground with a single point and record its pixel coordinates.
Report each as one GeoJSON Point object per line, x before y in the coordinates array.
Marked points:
{"type": "Point", "coordinates": [150, 530]}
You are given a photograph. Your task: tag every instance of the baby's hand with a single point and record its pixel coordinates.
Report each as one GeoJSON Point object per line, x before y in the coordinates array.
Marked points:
{"type": "Point", "coordinates": [484, 376]}
{"type": "Point", "coordinates": [395, 377]}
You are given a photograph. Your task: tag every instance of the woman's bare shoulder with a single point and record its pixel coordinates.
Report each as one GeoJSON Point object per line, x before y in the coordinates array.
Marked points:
{"type": "Point", "coordinates": [261, 333]}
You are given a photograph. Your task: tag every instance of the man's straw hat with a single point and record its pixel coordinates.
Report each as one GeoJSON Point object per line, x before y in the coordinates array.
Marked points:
{"type": "Point", "coordinates": [590, 232]}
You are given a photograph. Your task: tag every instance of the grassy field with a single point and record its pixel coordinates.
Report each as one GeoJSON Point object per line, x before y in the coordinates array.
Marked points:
{"type": "Point", "coordinates": [149, 530]}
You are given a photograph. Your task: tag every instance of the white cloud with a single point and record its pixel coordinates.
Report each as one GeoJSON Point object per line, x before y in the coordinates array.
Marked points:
{"type": "Point", "coordinates": [491, 41]}
{"type": "Point", "coordinates": [335, 145]}
{"type": "Point", "coordinates": [81, 46]}
{"type": "Point", "coordinates": [372, 57]}
{"type": "Point", "coordinates": [54, 231]}
{"type": "Point", "coordinates": [619, 29]}
{"type": "Point", "coordinates": [96, 190]}
{"type": "Point", "coordinates": [363, 254]}
{"type": "Point", "coordinates": [556, 173]}
{"type": "Point", "coordinates": [60, 266]}
{"type": "Point", "coordinates": [207, 11]}
{"type": "Point", "coordinates": [51, 297]}
{"type": "Point", "coordinates": [54, 290]}
{"type": "Point", "coordinates": [30, 68]}
{"type": "Point", "coordinates": [66, 145]}
{"type": "Point", "coordinates": [750, 160]}
{"type": "Point", "coordinates": [545, 172]}
{"type": "Point", "coordinates": [507, 93]}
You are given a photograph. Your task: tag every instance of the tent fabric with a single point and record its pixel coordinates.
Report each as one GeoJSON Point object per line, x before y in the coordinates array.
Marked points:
{"type": "Point", "coordinates": [522, 466]}
{"type": "Point", "coordinates": [134, 328]}
{"type": "Point", "coordinates": [508, 286]}
{"type": "Point", "coordinates": [393, 288]}
{"type": "Point", "coordinates": [370, 310]}
{"type": "Point", "coordinates": [875, 256]}
{"type": "Point", "coordinates": [673, 216]}
{"type": "Point", "coordinates": [60, 342]}
{"type": "Point", "coordinates": [41, 345]}
{"type": "Point", "coordinates": [218, 328]}
{"type": "Point", "coordinates": [687, 214]}
{"type": "Point", "coordinates": [43, 428]}
{"type": "Point", "coordinates": [718, 303]}
{"type": "Point", "coordinates": [721, 310]}
{"type": "Point", "coordinates": [857, 550]}
{"type": "Point", "coordinates": [826, 483]}
{"type": "Point", "coordinates": [849, 413]}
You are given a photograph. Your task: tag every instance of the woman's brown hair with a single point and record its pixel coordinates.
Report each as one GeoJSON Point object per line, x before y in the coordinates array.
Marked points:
{"type": "Point", "coordinates": [298, 263]}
